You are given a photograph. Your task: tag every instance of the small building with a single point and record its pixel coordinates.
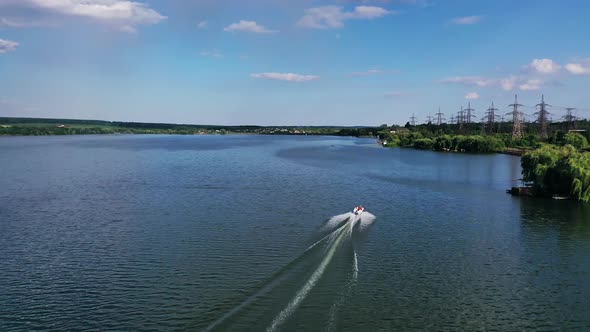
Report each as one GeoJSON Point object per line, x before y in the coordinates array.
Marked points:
{"type": "Point", "coordinates": [398, 130]}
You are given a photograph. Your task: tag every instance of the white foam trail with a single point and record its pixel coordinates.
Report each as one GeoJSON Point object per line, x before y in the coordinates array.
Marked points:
{"type": "Point", "coordinates": [344, 294]}
{"type": "Point", "coordinates": [366, 219]}
{"type": "Point", "coordinates": [352, 222]}
{"type": "Point", "coordinates": [267, 287]}
{"type": "Point", "coordinates": [334, 237]}
{"type": "Point", "coordinates": [302, 293]}
{"type": "Point", "coordinates": [329, 236]}
{"type": "Point", "coordinates": [355, 273]}
{"type": "Point", "coordinates": [337, 220]}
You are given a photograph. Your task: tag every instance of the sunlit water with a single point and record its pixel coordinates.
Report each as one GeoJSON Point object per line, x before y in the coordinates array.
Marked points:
{"type": "Point", "coordinates": [252, 233]}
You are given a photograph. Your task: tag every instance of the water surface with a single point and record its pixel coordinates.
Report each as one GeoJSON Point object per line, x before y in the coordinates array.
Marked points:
{"type": "Point", "coordinates": [197, 232]}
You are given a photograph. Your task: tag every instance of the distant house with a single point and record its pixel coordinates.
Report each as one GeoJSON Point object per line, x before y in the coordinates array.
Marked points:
{"type": "Point", "coordinates": [398, 130]}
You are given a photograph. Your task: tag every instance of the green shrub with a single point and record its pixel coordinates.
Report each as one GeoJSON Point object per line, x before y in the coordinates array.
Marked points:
{"type": "Point", "coordinates": [576, 140]}
{"type": "Point", "coordinates": [424, 144]}
{"type": "Point", "coordinates": [443, 143]}
{"type": "Point", "coordinates": [558, 171]}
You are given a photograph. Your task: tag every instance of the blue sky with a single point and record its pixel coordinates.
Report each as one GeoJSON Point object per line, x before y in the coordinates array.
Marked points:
{"type": "Point", "coordinates": [289, 62]}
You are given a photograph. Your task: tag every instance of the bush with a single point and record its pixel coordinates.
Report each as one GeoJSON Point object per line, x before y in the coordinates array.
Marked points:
{"type": "Point", "coordinates": [576, 140]}
{"type": "Point", "coordinates": [443, 143]}
{"type": "Point", "coordinates": [424, 144]}
{"type": "Point", "coordinates": [558, 171]}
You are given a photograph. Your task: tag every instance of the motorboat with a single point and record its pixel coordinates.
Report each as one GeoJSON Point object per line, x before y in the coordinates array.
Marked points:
{"type": "Point", "coordinates": [358, 210]}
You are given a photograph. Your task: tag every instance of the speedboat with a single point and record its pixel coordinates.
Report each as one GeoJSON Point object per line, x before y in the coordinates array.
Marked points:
{"type": "Point", "coordinates": [358, 210]}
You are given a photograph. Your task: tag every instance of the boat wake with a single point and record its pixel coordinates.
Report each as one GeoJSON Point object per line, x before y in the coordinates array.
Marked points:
{"type": "Point", "coordinates": [272, 300]}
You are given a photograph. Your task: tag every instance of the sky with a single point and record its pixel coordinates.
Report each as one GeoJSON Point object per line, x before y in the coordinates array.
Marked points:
{"type": "Point", "coordinates": [290, 62]}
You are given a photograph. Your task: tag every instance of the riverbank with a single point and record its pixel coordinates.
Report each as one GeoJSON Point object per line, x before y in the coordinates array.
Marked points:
{"type": "Point", "coordinates": [46, 127]}
{"type": "Point", "coordinates": [515, 151]}
{"type": "Point", "coordinates": [449, 143]}
{"type": "Point", "coordinates": [559, 169]}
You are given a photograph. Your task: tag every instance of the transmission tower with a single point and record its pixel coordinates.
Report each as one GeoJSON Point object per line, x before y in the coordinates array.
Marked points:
{"type": "Point", "coordinates": [543, 117]}
{"type": "Point", "coordinates": [516, 119]}
{"type": "Point", "coordinates": [429, 119]}
{"type": "Point", "coordinates": [453, 119]}
{"type": "Point", "coordinates": [483, 125]}
{"type": "Point", "coordinates": [439, 118]}
{"type": "Point", "coordinates": [461, 118]}
{"type": "Point", "coordinates": [491, 118]}
{"type": "Point", "coordinates": [469, 115]}
{"type": "Point", "coordinates": [413, 120]}
{"type": "Point", "coordinates": [570, 118]}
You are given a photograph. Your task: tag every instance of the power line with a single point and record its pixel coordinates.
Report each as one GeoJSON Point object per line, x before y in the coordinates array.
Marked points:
{"type": "Point", "coordinates": [491, 118]}
{"type": "Point", "coordinates": [516, 119]}
{"type": "Point", "coordinates": [461, 118]}
{"type": "Point", "coordinates": [570, 118]}
{"type": "Point", "coordinates": [439, 117]}
{"type": "Point", "coordinates": [542, 117]}
{"type": "Point", "coordinates": [469, 114]}
{"type": "Point", "coordinates": [483, 125]}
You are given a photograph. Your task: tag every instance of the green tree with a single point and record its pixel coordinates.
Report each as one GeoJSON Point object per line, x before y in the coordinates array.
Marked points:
{"type": "Point", "coordinates": [576, 140]}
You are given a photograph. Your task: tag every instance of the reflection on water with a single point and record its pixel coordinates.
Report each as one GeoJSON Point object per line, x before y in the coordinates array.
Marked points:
{"type": "Point", "coordinates": [569, 217]}
{"type": "Point", "coordinates": [556, 242]}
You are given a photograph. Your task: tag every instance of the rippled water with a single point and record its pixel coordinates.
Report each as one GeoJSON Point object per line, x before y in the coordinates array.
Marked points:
{"type": "Point", "coordinates": [214, 232]}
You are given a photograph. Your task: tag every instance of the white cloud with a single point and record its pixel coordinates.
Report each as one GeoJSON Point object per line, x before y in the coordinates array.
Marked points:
{"type": "Point", "coordinates": [21, 23]}
{"type": "Point", "coordinates": [288, 77]}
{"type": "Point", "coordinates": [531, 85]}
{"type": "Point", "coordinates": [577, 69]}
{"type": "Point", "coordinates": [471, 81]}
{"type": "Point", "coordinates": [401, 2]}
{"type": "Point", "coordinates": [248, 26]}
{"type": "Point", "coordinates": [544, 66]}
{"type": "Point", "coordinates": [472, 96]}
{"type": "Point", "coordinates": [124, 14]}
{"type": "Point", "coordinates": [467, 20]}
{"type": "Point", "coordinates": [508, 83]}
{"type": "Point", "coordinates": [212, 54]}
{"type": "Point", "coordinates": [368, 12]}
{"type": "Point", "coordinates": [369, 72]}
{"type": "Point", "coordinates": [327, 17]}
{"type": "Point", "coordinates": [203, 25]}
{"type": "Point", "coordinates": [534, 77]}
{"type": "Point", "coordinates": [7, 46]}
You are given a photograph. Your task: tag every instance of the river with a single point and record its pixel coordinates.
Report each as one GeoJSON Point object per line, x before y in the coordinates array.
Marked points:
{"type": "Point", "coordinates": [234, 233]}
